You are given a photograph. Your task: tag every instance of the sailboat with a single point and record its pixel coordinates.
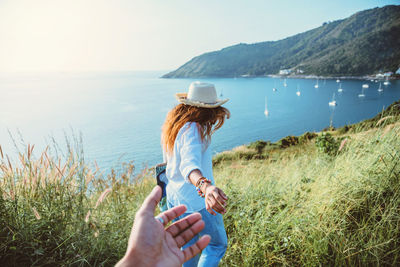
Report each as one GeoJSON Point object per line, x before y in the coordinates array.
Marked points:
{"type": "Point", "coordinates": [380, 89]}
{"type": "Point", "coordinates": [362, 93]}
{"type": "Point", "coordinates": [221, 95]}
{"type": "Point", "coordinates": [387, 81]}
{"type": "Point", "coordinates": [298, 91]}
{"type": "Point", "coordinates": [333, 102]}
{"type": "Point", "coordinates": [340, 88]}
{"type": "Point", "coordinates": [316, 85]}
{"type": "Point", "coordinates": [274, 88]}
{"type": "Point", "coordinates": [266, 112]}
{"type": "Point", "coordinates": [284, 83]}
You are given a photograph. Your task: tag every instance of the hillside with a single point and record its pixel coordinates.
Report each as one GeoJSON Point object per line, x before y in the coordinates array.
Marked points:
{"type": "Point", "coordinates": [364, 43]}
{"type": "Point", "coordinates": [317, 201]}
{"type": "Point", "coordinates": [303, 207]}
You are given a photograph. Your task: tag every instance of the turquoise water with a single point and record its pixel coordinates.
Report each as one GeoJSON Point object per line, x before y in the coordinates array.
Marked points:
{"type": "Point", "coordinates": [120, 114]}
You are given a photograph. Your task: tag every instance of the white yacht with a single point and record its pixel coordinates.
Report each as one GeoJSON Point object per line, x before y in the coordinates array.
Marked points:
{"type": "Point", "coordinates": [387, 81]}
{"type": "Point", "coordinates": [340, 89]}
{"type": "Point", "coordinates": [333, 102]}
{"type": "Point", "coordinates": [380, 89]}
{"type": "Point", "coordinates": [365, 85]}
{"type": "Point", "coordinates": [362, 93]}
{"type": "Point", "coordinates": [266, 112]}
{"type": "Point", "coordinates": [298, 91]}
{"type": "Point", "coordinates": [316, 85]}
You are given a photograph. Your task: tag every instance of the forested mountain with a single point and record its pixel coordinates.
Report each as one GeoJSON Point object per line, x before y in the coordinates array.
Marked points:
{"type": "Point", "coordinates": [365, 43]}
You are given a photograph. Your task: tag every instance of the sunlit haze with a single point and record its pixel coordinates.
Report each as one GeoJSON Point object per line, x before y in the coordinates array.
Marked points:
{"type": "Point", "coordinates": [100, 35]}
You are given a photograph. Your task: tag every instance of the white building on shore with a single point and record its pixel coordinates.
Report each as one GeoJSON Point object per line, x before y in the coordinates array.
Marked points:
{"type": "Point", "coordinates": [285, 72]}
{"type": "Point", "coordinates": [388, 74]}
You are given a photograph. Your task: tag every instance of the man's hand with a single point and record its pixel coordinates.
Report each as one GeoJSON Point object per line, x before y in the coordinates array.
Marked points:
{"type": "Point", "coordinates": [150, 244]}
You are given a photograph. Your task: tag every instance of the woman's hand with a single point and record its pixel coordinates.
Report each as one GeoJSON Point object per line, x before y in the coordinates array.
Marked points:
{"type": "Point", "coordinates": [215, 199]}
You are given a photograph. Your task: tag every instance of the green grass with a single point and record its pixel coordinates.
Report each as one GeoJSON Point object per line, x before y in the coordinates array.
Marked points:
{"type": "Point", "coordinates": [309, 208]}
{"type": "Point", "coordinates": [288, 205]}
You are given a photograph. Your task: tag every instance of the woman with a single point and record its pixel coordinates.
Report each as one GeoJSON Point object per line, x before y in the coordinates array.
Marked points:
{"type": "Point", "coordinates": [186, 138]}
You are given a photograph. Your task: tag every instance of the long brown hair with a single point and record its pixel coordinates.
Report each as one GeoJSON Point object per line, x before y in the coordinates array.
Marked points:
{"type": "Point", "coordinates": [205, 118]}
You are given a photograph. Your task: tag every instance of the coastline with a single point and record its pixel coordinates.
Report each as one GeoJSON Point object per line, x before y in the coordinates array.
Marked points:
{"type": "Point", "coordinates": [362, 78]}
{"type": "Point", "coordinates": [365, 77]}
{"type": "Point", "coordinates": [248, 150]}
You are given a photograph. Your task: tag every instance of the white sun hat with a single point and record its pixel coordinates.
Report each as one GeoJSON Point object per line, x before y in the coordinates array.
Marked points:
{"type": "Point", "coordinates": [201, 95]}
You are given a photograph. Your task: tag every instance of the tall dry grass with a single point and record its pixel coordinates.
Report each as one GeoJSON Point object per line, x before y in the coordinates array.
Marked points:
{"type": "Point", "coordinates": [58, 211]}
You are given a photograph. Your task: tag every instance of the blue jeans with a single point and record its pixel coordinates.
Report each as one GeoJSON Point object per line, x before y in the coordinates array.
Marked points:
{"type": "Point", "coordinates": [213, 253]}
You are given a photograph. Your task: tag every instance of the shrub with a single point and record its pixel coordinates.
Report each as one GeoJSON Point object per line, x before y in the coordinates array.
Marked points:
{"type": "Point", "coordinates": [307, 137]}
{"type": "Point", "coordinates": [326, 143]}
{"type": "Point", "coordinates": [259, 145]}
{"type": "Point", "coordinates": [329, 129]}
{"type": "Point", "coordinates": [288, 141]}
{"type": "Point", "coordinates": [344, 129]}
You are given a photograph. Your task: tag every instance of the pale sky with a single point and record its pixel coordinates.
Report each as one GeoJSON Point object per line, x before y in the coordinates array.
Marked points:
{"type": "Point", "coordinates": [115, 35]}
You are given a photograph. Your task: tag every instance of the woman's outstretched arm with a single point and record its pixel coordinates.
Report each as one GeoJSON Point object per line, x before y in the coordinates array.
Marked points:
{"type": "Point", "coordinates": [214, 197]}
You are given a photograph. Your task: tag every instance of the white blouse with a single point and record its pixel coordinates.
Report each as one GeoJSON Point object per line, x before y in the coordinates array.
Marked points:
{"type": "Point", "coordinates": [189, 154]}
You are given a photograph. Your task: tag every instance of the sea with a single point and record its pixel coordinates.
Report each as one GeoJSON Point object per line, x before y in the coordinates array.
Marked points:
{"type": "Point", "coordinates": [119, 115]}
